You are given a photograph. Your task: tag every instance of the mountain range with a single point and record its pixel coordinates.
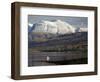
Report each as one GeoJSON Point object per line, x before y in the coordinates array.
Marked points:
{"type": "Point", "coordinates": [48, 29]}
{"type": "Point", "coordinates": [67, 39]}
{"type": "Point", "coordinates": [54, 27]}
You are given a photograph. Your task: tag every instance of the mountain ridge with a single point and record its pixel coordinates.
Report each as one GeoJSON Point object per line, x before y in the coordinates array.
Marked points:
{"type": "Point", "coordinates": [55, 27]}
{"type": "Point", "coordinates": [68, 39]}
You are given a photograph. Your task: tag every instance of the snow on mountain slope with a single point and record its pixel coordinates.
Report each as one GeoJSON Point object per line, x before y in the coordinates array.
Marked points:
{"type": "Point", "coordinates": [30, 25]}
{"type": "Point", "coordinates": [64, 27]}
{"type": "Point", "coordinates": [83, 30]}
{"type": "Point", "coordinates": [55, 27]}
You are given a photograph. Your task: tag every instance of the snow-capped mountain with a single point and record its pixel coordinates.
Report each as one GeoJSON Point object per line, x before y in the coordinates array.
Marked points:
{"type": "Point", "coordinates": [55, 27]}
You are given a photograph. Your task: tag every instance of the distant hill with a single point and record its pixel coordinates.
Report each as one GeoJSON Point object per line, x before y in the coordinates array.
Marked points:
{"type": "Point", "coordinates": [63, 42]}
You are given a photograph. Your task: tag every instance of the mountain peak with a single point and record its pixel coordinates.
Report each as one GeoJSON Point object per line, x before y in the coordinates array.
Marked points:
{"type": "Point", "coordinates": [30, 25]}
{"type": "Point", "coordinates": [55, 27]}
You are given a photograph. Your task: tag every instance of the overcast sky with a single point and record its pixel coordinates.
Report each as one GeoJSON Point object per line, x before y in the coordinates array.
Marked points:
{"type": "Point", "coordinates": [75, 21]}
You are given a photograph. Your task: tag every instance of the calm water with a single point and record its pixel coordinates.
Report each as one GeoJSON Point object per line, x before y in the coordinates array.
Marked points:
{"type": "Point", "coordinates": [56, 58]}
